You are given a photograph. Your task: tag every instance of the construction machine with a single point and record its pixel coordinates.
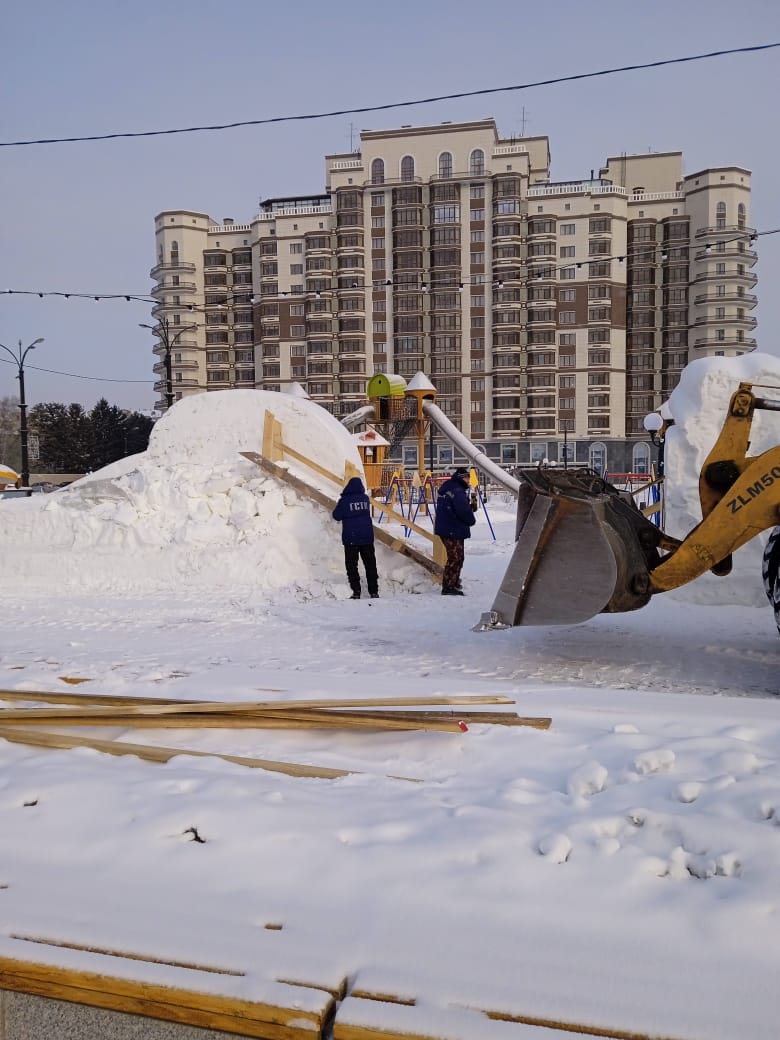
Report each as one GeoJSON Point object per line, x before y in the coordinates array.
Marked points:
{"type": "Point", "coordinates": [584, 547]}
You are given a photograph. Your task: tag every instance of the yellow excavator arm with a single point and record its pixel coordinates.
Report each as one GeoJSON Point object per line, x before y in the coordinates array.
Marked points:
{"type": "Point", "coordinates": [740, 498]}
{"type": "Point", "coordinates": [583, 546]}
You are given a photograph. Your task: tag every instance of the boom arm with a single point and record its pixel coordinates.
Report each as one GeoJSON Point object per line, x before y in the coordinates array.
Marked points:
{"type": "Point", "coordinates": [740, 498]}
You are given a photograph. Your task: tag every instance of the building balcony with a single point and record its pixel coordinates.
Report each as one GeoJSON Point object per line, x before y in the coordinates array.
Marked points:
{"type": "Point", "coordinates": [731, 252]}
{"type": "Point", "coordinates": [725, 232]}
{"type": "Point", "coordinates": [294, 211]}
{"type": "Point", "coordinates": [576, 188]}
{"type": "Point", "coordinates": [178, 366]}
{"type": "Point", "coordinates": [161, 385]}
{"type": "Point", "coordinates": [747, 279]}
{"type": "Point", "coordinates": [730, 341]}
{"type": "Point", "coordinates": [178, 265]}
{"type": "Point", "coordinates": [730, 319]}
{"type": "Point", "coordinates": [164, 288]}
{"type": "Point", "coordinates": [730, 296]}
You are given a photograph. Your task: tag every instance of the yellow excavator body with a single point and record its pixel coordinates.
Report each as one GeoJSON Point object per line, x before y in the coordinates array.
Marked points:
{"type": "Point", "coordinates": [583, 547]}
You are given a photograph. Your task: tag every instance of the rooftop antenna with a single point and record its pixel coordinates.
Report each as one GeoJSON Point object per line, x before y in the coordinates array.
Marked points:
{"type": "Point", "coordinates": [352, 132]}
{"type": "Point", "coordinates": [523, 118]}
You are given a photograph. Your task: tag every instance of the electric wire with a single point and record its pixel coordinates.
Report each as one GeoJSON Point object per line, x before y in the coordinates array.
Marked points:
{"type": "Point", "coordinates": [574, 77]}
{"type": "Point", "coordinates": [545, 269]}
{"type": "Point", "coordinates": [638, 248]}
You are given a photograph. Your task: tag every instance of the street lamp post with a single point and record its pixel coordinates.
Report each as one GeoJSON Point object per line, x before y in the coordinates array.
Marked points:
{"type": "Point", "coordinates": [19, 357]}
{"type": "Point", "coordinates": [654, 424]}
{"type": "Point", "coordinates": [163, 330]}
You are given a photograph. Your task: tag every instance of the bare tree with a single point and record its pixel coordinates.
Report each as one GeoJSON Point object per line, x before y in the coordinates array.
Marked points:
{"type": "Point", "coordinates": [10, 447]}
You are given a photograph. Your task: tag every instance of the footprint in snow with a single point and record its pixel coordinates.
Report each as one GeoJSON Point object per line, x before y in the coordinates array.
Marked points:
{"type": "Point", "coordinates": [659, 761]}
{"type": "Point", "coordinates": [555, 847]}
{"type": "Point", "coordinates": [587, 780]}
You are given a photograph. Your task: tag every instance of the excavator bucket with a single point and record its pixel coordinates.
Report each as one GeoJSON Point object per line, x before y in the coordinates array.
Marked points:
{"type": "Point", "coordinates": [582, 547]}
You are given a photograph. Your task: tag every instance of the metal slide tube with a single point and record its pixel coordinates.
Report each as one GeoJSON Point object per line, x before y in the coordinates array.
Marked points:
{"type": "Point", "coordinates": [464, 445]}
{"type": "Point", "coordinates": [357, 417]}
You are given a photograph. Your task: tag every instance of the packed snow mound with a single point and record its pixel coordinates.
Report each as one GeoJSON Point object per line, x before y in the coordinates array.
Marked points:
{"type": "Point", "coordinates": [699, 405]}
{"type": "Point", "coordinates": [190, 510]}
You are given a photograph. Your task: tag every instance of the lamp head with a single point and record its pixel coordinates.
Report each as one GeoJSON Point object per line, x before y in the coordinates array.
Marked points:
{"type": "Point", "coordinates": [652, 422]}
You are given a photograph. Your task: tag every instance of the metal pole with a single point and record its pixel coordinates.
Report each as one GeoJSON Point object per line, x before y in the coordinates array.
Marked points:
{"type": "Point", "coordinates": [23, 426]}
{"type": "Point", "coordinates": [168, 375]}
{"type": "Point", "coordinates": [19, 359]}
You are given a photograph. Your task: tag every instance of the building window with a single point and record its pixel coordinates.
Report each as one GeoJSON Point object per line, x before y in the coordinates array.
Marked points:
{"type": "Point", "coordinates": [567, 273]}
{"type": "Point", "coordinates": [741, 215]}
{"type": "Point", "coordinates": [296, 247]}
{"type": "Point", "coordinates": [597, 457]}
{"type": "Point", "coordinates": [377, 172]}
{"type": "Point", "coordinates": [445, 164]}
{"type": "Point", "coordinates": [477, 191]}
{"type": "Point", "coordinates": [407, 168]}
{"type": "Point", "coordinates": [477, 163]}
{"type": "Point", "coordinates": [567, 252]}
{"type": "Point", "coordinates": [720, 215]}
{"type": "Point", "coordinates": [446, 214]}
{"type": "Point", "coordinates": [567, 229]}
{"type": "Point", "coordinates": [566, 317]}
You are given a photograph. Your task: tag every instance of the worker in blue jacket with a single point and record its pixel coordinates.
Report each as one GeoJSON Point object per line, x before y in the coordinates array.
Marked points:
{"type": "Point", "coordinates": [455, 510]}
{"type": "Point", "coordinates": [357, 535]}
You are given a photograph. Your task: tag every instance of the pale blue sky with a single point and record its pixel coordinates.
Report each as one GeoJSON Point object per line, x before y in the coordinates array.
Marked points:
{"type": "Point", "coordinates": [79, 217]}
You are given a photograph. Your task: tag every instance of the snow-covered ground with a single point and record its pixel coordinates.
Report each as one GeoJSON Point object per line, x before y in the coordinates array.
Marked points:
{"type": "Point", "coordinates": [618, 869]}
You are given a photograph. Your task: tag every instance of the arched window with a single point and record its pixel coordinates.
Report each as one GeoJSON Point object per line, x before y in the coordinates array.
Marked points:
{"type": "Point", "coordinates": [641, 459]}
{"type": "Point", "coordinates": [378, 171]}
{"type": "Point", "coordinates": [597, 457]}
{"type": "Point", "coordinates": [477, 162]}
{"type": "Point", "coordinates": [445, 164]}
{"type": "Point", "coordinates": [407, 168]}
{"type": "Point", "coordinates": [720, 215]}
{"type": "Point", "coordinates": [174, 252]}
{"type": "Point", "coordinates": [741, 215]}
{"type": "Point", "coordinates": [160, 254]}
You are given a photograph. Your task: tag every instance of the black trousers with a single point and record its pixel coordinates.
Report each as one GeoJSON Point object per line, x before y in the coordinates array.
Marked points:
{"type": "Point", "coordinates": [368, 556]}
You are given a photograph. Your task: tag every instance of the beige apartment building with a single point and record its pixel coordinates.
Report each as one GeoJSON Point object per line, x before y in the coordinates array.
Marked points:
{"type": "Point", "coordinates": [551, 316]}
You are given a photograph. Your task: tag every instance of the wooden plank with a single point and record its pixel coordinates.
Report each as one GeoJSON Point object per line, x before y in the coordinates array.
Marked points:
{"type": "Point", "coordinates": [163, 754]}
{"type": "Point", "coordinates": [159, 708]}
{"type": "Point", "coordinates": [401, 519]}
{"type": "Point", "coordinates": [206, 1010]}
{"type": "Point", "coordinates": [84, 698]}
{"type": "Point", "coordinates": [62, 944]}
{"type": "Point", "coordinates": [332, 477]}
{"type": "Point", "coordinates": [324, 702]}
{"type": "Point", "coordinates": [358, 1019]}
{"type": "Point", "coordinates": [264, 720]}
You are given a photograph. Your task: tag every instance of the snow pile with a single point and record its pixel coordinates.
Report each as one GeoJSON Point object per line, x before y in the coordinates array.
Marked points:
{"type": "Point", "coordinates": [699, 405]}
{"type": "Point", "coordinates": [190, 510]}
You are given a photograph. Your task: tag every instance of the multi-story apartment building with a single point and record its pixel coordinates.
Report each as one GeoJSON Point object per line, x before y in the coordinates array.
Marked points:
{"type": "Point", "coordinates": [550, 316]}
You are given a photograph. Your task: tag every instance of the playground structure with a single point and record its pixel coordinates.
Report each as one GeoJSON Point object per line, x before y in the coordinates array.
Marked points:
{"type": "Point", "coordinates": [400, 410]}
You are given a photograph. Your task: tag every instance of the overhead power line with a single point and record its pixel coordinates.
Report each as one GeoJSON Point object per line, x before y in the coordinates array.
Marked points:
{"type": "Point", "coordinates": [225, 297]}
{"type": "Point", "coordinates": [398, 104]}
{"type": "Point", "coordinates": [74, 375]}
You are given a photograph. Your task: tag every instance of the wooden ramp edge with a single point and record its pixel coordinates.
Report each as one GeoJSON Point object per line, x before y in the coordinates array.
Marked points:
{"type": "Point", "coordinates": [387, 1017]}
{"type": "Point", "coordinates": [399, 545]}
{"type": "Point", "coordinates": [304, 1015]}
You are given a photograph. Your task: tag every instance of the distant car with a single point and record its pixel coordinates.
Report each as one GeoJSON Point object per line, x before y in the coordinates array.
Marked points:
{"type": "Point", "coordinates": [13, 492]}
